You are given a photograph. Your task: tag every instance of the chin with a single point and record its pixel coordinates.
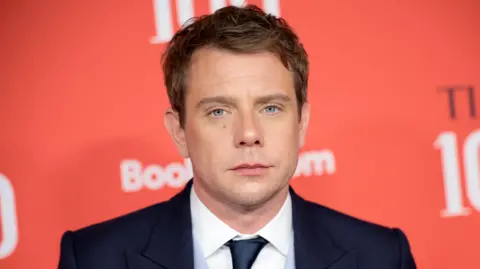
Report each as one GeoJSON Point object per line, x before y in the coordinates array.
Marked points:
{"type": "Point", "coordinates": [246, 200]}
{"type": "Point", "coordinates": [253, 194]}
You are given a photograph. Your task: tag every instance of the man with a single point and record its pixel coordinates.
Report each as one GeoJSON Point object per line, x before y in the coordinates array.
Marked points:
{"type": "Point", "coordinates": [237, 84]}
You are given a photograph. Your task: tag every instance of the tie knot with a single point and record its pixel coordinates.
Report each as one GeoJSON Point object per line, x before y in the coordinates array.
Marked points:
{"type": "Point", "coordinates": [244, 252]}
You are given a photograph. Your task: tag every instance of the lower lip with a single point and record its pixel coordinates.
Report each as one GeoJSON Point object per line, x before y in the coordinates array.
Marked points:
{"type": "Point", "coordinates": [251, 171]}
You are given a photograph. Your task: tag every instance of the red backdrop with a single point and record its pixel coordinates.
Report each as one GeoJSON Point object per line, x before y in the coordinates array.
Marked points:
{"type": "Point", "coordinates": [394, 135]}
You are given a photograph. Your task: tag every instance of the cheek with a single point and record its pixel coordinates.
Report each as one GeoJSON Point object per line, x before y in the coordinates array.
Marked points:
{"type": "Point", "coordinates": [282, 147]}
{"type": "Point", "coordinates": [283, 134]}
{"type": "Point", "coordinates": [207, 144]}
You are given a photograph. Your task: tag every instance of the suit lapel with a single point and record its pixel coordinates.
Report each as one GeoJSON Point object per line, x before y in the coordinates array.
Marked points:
{"type": "Point", "coordinates": [314, 247]}
{"type": "Point", "coordinates": [171, 242]}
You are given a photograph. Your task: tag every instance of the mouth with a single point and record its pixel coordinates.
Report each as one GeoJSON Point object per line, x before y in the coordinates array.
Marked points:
{"type": "Point", "coordinates": [251, 169]}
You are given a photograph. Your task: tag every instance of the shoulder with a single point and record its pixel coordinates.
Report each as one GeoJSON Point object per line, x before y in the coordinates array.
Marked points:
{"type": "Point", "coordinates": [132, 229]}
{"type": "Point", "coordinates": [341, 223]}
{"type": "Point", "coordinates": [376, 246]}
{"type": "Point", "coordinates": [351, 232]}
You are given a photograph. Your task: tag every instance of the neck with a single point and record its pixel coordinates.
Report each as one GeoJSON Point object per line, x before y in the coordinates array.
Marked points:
{"type": "Point", "coordinates": [243, 219]}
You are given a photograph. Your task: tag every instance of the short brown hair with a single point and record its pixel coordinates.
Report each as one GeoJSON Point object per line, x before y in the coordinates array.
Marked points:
{"type": "Point", "coordinates": [245, 29]}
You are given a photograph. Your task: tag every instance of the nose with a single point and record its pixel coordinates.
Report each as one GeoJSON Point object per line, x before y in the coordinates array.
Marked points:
{"type": "Point", "coordinates": [248, 132]}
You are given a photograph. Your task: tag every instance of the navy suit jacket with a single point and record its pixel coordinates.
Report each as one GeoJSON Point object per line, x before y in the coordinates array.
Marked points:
{"type": "Point", "coordinates": [160, 237]}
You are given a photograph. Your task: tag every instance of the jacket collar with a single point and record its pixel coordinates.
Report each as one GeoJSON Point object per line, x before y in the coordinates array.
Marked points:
{"type": "Point", "coordinates": [171, 241]}
{"type": "Point", "coordinates": [314, 246]}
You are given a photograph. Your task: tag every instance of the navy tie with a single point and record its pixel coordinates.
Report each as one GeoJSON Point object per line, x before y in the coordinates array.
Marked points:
{"type": "Point", "coordinates": [244, 252]}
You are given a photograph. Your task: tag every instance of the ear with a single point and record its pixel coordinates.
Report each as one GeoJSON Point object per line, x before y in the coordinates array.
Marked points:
{"type": "Point", "coordinates": [171, 120]}
{"type": "Point", "coordinates": [304, 121]}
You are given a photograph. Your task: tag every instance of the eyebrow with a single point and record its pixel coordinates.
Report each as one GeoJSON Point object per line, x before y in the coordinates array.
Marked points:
{"type": "Point", "coordinates": [231, 101]}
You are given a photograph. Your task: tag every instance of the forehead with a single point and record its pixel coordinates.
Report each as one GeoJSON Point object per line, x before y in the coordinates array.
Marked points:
{"type": "Point", "coordinates": [220, 71]}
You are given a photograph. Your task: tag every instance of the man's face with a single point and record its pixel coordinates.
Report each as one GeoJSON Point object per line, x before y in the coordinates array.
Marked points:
{"type": "Point", "coordinates": [242, 131]}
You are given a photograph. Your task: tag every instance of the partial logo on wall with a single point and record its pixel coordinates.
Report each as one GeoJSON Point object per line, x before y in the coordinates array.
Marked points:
{"type": "Point", "coordinates": [455, 203]}
{"type": "Point", "coordinates": [135, 177]}
{"type": "Point", "coordinates": [8, 218]}
{"type": "Point", "coordinates": [165, 25]}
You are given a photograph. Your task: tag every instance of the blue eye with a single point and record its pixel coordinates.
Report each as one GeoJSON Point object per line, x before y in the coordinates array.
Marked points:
{"type": "Point", "coordinates": [271, 109]}
{"type": "Point", "coordinates": [217, 112]}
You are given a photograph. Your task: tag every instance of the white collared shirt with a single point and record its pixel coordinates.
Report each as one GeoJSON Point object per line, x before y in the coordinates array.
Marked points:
{"type": "Point", "coordinates": [211, 234]}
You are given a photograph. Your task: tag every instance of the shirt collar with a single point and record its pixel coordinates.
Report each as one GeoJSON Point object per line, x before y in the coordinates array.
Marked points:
{"type": "Point", "coordinates": [279, 230]}
{"type": "Point", "coordinates": [212, 233]}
